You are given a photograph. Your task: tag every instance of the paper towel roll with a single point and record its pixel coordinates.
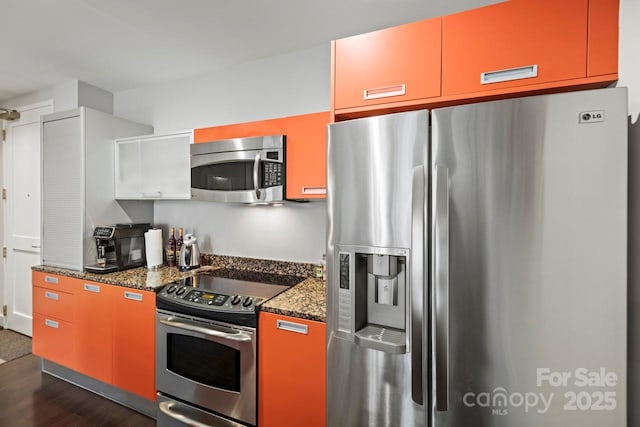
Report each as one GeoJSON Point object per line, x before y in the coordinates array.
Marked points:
{"type": "Point", "coordinates": [153, 247]}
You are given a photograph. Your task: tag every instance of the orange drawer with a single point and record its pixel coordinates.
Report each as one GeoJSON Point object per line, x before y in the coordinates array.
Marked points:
{"type": "Point", "coordinates": [53, 340]}
{"type": "Point", "coordinates": [49, 302]}
{"type": "Point", "coordinates": [54, 281]}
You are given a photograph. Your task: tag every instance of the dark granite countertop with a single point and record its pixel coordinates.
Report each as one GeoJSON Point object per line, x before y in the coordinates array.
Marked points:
{"type": "Point", "coordinates": [138, 278]}
{"type": "Point", "coordinates": [305, 300]}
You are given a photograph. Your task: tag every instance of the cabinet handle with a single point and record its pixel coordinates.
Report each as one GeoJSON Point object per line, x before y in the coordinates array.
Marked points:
{"type": "Point", "coordinates": [154, 194]}
{"type": "Point", "coordinates": [51, 323]}
{"type": "Point", "coordinates": [526, 72]}
{"type": "Point", "coordinates": [92, 288]}
{"type": "Point", "coordinates": [384, 92]}
{"type": "Point", "coordinates": [133, 296]}
{"type": "Point", "coordinates": [51, 295]}
{"type": "Point", "coordinates": [50, 279]}
{"type": "Point", "coordinates": [298, 328]}
{"type": "Point", "coordinates": [314, 190]}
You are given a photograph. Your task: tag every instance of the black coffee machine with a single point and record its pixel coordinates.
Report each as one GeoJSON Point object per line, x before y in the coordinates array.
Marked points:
{"type": "Point", "coordinates": [119, 247]}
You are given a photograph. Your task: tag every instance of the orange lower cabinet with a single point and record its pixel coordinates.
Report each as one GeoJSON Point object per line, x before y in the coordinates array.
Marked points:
{"type": "Point", "coordinates": [93, 327]}
{"type": "Point", "coordinates": [53, 318]}
{"type": "Point", "coordinates": [291, 372]}
{"type": "Point", "coordinates": [307, 156]}
{"type": "Point", "coordinates": [134, 341]}
{"type": "Point", "coordinates": [51, 302]}
{"type": "Point", "coordinates": [53, 281]}
{"type": "Point", "coordinates": [53, 339]}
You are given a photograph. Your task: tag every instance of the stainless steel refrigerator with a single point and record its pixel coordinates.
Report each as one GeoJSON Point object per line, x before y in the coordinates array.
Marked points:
{"type": "Point", "coordinates": [477, 265]}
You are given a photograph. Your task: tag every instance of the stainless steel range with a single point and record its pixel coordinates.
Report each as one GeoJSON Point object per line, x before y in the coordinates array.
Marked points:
{"type": "Point", "coordinates": [206, 350]}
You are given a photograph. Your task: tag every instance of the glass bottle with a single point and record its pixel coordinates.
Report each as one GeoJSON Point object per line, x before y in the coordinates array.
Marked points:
{"type": "Point", "coordinates": [179, 242]}
{"type": "Point", "coordinates": [171, 248]}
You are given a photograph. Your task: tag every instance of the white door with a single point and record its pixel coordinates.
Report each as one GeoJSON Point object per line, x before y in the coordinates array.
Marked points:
{"type": "Point", "coordinates": [22, 212]}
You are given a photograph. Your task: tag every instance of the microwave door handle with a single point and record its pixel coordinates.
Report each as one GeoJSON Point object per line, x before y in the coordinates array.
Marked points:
{"type": "Point", "coordinates": [256, 170]}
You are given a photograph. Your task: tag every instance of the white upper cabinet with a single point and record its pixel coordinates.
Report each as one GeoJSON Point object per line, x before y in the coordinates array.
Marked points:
{"type": "Point", "coordinates": [153, 167]}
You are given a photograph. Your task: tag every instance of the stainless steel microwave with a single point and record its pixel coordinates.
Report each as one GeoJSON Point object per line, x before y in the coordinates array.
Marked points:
{"type": "Point", "coordinates": [241, 170]}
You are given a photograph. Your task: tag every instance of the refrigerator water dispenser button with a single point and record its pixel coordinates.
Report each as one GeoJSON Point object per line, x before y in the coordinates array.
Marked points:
{"type": "Point", "coordinates": [387, 291]}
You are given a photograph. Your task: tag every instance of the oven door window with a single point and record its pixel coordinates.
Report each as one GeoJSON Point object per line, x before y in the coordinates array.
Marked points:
{"type": "Point", "coordinates": [204, 361]}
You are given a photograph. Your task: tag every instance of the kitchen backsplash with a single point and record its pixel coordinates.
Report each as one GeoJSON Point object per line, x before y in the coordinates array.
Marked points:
{"type": "Point", "coordinates": [292, 232]}
{"type": "Point", "coordinates": [260, 265]}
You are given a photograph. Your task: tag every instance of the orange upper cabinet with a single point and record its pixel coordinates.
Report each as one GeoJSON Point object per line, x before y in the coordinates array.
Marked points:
{"type": "Point", "coordinates": [307, 156]}
{"type": "Point", "coordinates": [603, 37]}
{"type": "Point", "coordinates": [514, 43]}
{"type": "Point", "coordinates": [393, 65]}
{"type": "Point", "coordinates": [241, 130]}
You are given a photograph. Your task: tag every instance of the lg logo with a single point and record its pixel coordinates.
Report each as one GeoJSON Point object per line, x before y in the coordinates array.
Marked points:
{"type": "Point", "coordinates": [591, 116]}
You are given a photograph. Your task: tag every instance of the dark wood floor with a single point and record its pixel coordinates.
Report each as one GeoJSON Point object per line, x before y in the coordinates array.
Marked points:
{"type": "Point", "coordinates": [31, 398]}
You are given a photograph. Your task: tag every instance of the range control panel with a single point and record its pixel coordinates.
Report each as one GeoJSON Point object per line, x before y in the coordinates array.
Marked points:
{"type": "Point", "coordinates": [206, 300]}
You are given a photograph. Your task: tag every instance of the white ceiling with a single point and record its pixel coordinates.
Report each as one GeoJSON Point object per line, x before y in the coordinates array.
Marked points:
{"type": "Point", "coordinates": [123, 44]}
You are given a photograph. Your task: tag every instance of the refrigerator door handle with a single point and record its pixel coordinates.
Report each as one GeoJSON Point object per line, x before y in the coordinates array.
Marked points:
{"type": "Point", "coordinates": [440, 283]}
{"type": "Point", "coordinates": [418, 235]}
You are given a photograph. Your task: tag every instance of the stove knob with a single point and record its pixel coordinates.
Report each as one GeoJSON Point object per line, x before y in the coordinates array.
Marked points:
{"type": "Point", "coordinates": [180, 291]}
{"type": "Point", "coordinates": [235, 300]}
{"type": "Point", "coordinates": [247, 302]}
{"type": "Point", "coordinates": [171, 289]}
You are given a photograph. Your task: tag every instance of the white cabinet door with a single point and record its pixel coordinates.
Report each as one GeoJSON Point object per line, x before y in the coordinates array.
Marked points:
{"type": "Point", "coordinates": [154, 167]}
{"type": "Point", "coordinates": [128, 169]}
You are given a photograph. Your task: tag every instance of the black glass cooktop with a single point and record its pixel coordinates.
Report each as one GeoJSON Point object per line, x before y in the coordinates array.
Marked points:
{"type": "Point", "coordinates": [224, 294]}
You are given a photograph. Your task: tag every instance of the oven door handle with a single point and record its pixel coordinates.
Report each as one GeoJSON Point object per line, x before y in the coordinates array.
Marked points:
{"type": "Point", "coordinates": [209, 330]}
{"type": "Point", "coordinates": [167, 409]}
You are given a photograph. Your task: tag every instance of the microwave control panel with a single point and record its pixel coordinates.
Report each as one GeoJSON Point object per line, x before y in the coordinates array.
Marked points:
{"type": "Point", "coordinates": [272, 174]}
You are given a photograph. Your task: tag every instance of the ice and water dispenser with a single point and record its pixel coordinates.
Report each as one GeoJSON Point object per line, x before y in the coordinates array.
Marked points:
{"type": "Point", "coordinates": [372, 299]}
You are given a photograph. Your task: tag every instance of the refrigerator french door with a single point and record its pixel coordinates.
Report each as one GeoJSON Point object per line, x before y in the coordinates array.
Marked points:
{"type": "Point", "coordinates": [477, 266]}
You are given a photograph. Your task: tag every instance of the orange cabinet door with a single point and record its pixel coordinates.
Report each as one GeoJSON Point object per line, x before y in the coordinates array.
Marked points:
{"type": "Point", "coordinates": [307, 156]}
{"type": "Point", "coordinates": [291, 372]}
{"type": "Point", "coordinates": [54, 303]}
{"type": "Point", "coordinates": [391, 65]}
{"type": "Point", "coordinates": [240, 130]}
{"type": "Point", "coordinates": [53, 339]}
{"type": "Point", "coordinates": [93, 328]}
{"type": "Point", "coordinates": [514, 43]}
{"type": "Point", "coordinates": [53, 281]}
{"type": "Point", "coordinates": [603, 37]}
{"type": "Point", "coordinates": [134, 342]}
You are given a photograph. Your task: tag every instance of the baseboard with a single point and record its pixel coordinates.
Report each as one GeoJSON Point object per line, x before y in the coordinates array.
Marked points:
{"type": "Point", "coordinates": [130, 400]}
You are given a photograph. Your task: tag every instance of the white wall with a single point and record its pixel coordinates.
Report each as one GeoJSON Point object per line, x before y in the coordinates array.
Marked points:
{"type": "Point", "coordinates": [67, 96]}
{"type": "Point", "coordinates": [629, 73]}
{"type": "Point", "coordinates": [295, 83]}
{"type": "Point", "coordinates": [64, 96]}
{"type": "Point", "coordinates": [284, 85]}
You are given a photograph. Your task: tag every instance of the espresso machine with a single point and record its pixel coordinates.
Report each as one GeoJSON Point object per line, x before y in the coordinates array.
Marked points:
{"type": "Point", "coordinates": [119, 247]}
